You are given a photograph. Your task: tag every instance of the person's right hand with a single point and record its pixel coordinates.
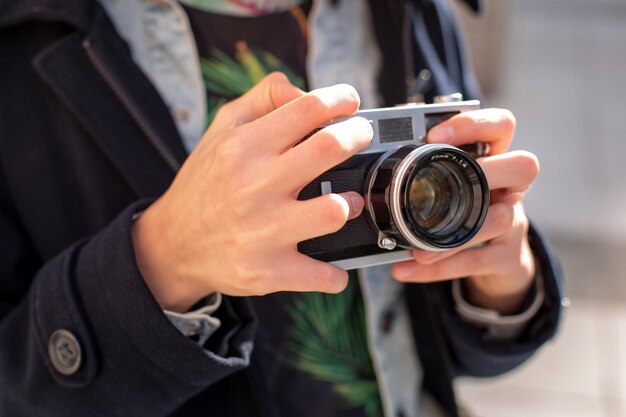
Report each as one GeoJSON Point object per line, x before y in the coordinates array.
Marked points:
{"type": "Point", "coordinates": [230, 222]}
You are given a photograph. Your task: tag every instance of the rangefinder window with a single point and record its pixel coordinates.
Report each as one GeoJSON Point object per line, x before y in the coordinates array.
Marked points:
{"type": "Point", "coordinates": [395, 130]}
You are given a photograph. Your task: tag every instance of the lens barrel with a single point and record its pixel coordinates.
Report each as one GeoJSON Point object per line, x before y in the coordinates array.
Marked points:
{"type": "Point", "coordinates": [430, 197]}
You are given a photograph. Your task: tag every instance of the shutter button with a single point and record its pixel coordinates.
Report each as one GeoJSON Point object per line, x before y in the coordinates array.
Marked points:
{"type": "Point", "coordinates": [64, 352]}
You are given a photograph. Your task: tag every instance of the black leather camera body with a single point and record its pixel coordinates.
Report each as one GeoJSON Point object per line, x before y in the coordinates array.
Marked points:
{"type": "Point", "coordinates": [417, 196]}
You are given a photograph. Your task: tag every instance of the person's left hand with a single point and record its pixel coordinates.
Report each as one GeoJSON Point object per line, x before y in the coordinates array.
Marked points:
{"type": "Point", "coordinates": [498, 262]}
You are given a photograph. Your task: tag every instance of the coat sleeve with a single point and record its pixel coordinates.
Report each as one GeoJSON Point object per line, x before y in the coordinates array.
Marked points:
{"type": "Point", "coordinates": [475, 353]}
{"type": "Point", "coordinates": [132, 360]}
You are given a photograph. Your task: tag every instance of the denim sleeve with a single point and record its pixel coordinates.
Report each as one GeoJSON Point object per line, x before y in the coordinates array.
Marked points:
{"type": "Point", "coordinates": [201, 323]}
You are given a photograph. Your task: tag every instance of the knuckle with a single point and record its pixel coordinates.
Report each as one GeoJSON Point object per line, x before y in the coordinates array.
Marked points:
{"type": "Point", "coordinates": [503, 216]}
{"type": "Point", "coordinates": [252, 278]}
{"type": "Point", "coordinates": [276, 77]}
{"type": "Point", "coordinates": [247, 207]}
{"type": "Point", "coordinates": [349, 95]}
{"type": "Point", "coordinates": [313, 104]}
{"type": "Point", "coordinates": [345, 138]}
{"type": "Point", "coordinates": [239, 205]}
{"type": "Point", "coordinates": [227, 109]}
{"type": "Point", "coordinates": [330, 142]}
{"type": "Point", "coordinates": [520, 220]}
{"type": "Point", "coordinates": [507, 121]}
{"type": "Point", "coordinates": [329, 102]}
{"type": "Point", "coordinates": [236, 243]}
{"type": "Point", "coordinates": [331, 281]}
{"type": "Point", "coordinates": [362, 131]}
{"type": "Point", "coordinates": [246, 275]}
{"type": "Point", "coordinates": [530, 166]}
{"type": "Point", "coordinates": [229, 150]}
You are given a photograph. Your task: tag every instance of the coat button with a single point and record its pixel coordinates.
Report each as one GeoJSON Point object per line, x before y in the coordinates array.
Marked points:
{"type": "Point", "coordinates": [64, 352]}
{"type": "Point", "coordinates": [386, 322]}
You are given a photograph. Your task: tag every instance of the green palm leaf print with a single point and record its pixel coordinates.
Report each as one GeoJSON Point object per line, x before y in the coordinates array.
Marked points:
{"type": "Point", "coordinates": [329, 341]}
{"type": "Point", "coordinates": [226, 78]}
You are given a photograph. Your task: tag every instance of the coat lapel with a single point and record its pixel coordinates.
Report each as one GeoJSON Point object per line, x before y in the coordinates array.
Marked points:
{"type": "Point", "coordinates": [94, 75]}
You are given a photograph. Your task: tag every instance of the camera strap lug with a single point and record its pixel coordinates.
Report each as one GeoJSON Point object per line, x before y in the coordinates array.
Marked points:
{"type": "Point", "coordinates": [386, 242]}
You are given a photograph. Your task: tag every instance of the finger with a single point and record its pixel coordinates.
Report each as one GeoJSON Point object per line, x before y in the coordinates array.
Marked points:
{"type": "Point", "coordinates": [485, 260]}
{"type": "Point", "coordinates": [271, 93]}
{"type": "Point", "coordinates": [322, 151]}
{"type": "Point", "coordinates": [356, 203]}
{"type": "Point", "coordinates": [289, 124]}
{"type": "Point", "coordinates": [301, 273]}
{"type": "Point", "coordinates": [500, 220]}
{"type": "Point", "coordinates": [495, 126]}
{"type": "Point", "coordinates": [513, 171]}
{"type": "Point", "coordinates": [322, 215]}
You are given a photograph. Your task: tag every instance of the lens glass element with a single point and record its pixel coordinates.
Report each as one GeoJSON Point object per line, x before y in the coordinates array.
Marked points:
{"type": "Point", "coordinates": [440, 198]}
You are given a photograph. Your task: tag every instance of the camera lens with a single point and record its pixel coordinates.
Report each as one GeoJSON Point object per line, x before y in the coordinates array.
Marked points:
{"type": "Point", "coordinates": [429, 197]}
{"type": "Point", "coordinates": [439, 198]}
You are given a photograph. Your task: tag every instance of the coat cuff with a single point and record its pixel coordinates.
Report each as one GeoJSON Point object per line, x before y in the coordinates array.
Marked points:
{"type": "Point", "coordinates": [118, 321]}
{"type": "Point", "coordinates": [477, 352]}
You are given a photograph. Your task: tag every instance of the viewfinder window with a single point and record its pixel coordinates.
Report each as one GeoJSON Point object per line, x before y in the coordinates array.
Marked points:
{"type": "Point", "coordinates": [395, 130]}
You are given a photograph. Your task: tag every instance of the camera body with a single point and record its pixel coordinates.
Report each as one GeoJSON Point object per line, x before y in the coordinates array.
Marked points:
{"type": "Point", "coordinates": [417, 195]}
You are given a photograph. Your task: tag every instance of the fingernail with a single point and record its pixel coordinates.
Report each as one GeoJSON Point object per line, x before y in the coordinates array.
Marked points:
{"type": "Point", "coordinates": [440, 134]}
{"type": "Point", "coordinates": [357, 204]}
{"type": "Point", "coordinates": [405, 270]}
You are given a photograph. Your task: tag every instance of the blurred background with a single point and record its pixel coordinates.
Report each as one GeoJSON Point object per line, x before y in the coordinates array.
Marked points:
{"type": "Point", "coordinates": [560, 66]}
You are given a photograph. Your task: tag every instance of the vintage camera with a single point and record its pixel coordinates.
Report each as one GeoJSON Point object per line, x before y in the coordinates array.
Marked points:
{"type": "Point", "coordinates": [424, 196]}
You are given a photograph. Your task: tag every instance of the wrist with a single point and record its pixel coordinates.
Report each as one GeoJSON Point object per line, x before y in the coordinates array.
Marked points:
{"type": "Point", "coordinates": [506, 292]}
{"type": "Point", "coordinates": [157, 260]}
{"type": "Point", "coordinates": [483, 292]}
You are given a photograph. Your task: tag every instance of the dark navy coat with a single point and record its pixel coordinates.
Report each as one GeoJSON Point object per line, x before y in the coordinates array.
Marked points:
{"type": "Point", "coordinates": [86, 142]}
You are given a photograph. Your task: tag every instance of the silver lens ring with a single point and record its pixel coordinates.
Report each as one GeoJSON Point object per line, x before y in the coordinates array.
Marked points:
{"type": "Point", "coordinates": [396, 193]}
{"type": "Point", "coordinates": [387, 184]}
{"type": "Point", "coordinates": [398, 185]}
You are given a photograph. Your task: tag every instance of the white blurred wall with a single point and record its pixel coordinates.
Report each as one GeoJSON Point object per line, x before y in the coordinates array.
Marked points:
{"type": "Point", "coordinates": [560, 66]}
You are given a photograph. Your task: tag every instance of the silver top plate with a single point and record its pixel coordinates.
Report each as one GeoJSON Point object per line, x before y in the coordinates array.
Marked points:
{"type": "Point", "coordinates": [395, 127]}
